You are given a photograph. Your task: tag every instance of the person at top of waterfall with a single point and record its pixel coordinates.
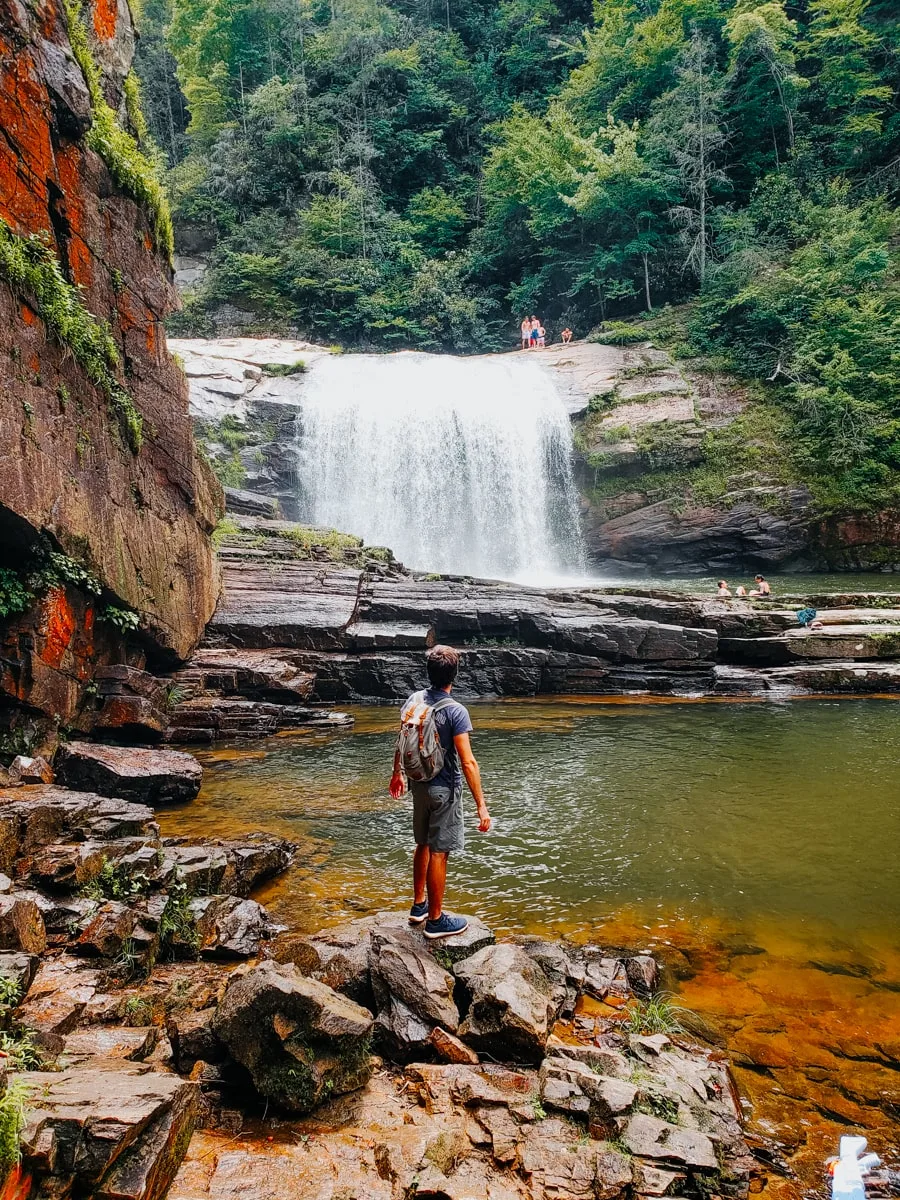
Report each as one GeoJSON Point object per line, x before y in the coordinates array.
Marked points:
{"type": "Point", "coordinates": [437, 804]}
{"type": "Point", "coordinates": [723, 592]}
{"type": "Point", "coordinates": [535, 327]}
{"type": "Point", "coordinates": [762, 587]}
{"type": "Point", "coordinates": [526, 333]}
{"type": "Point", "coordinates": [542, 336]}
{"type": "Point", "coordinates": [566, 336]}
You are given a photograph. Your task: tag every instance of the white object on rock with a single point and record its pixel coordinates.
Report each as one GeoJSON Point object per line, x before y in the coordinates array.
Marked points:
{"type": "Point", "coordinates": [847, 1180]}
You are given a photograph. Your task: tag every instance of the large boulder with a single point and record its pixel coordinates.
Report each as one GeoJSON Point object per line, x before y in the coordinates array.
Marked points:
{"type": "Point", "coordinates": [105, 1129]}
{"type": "Point", "coordinates": [300, 1041]}
{"type": "Point", "coordinates": [21, 925]}
{"type": "Point", "coordinates": [144, 776]}
{"type": "Point", "coordinates": [512, 1004]}
{"type": "Point", "coordinates": [413, 992]}
{"type": "Point", "coordinates": [219, 865]}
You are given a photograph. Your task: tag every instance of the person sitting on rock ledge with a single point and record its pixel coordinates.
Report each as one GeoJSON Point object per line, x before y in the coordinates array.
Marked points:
{"type": "Point", "coordinates": [437, 802]}
{"type": "Point", "coordinates": [723, 591]}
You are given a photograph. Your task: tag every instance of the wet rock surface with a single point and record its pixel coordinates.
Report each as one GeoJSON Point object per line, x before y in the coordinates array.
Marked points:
{"type": "Point", "coordinates": [290, 628]}
{"type": "Point", "coordinates": [129, 772]}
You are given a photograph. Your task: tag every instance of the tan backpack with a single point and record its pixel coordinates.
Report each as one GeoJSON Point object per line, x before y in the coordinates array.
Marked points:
{"type": "Point", "coordinates": [420, 754]}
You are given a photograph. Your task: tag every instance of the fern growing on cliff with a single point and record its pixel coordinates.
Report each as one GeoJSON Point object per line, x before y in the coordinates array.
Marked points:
{"type": "Point", "coordinates": [31, 269]}
{"type": "Point", "coordinates": [131, 170]}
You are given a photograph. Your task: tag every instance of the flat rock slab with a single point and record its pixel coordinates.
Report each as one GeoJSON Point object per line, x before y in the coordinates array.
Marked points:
{"type": "Point", "coordinates": [118, 1042]}
{"type": "Point", "coordinates": [649, 1137]}
{"type": "Point", "coordinates": [143, 776]}
{"type": "Point", "coordinates": [112, 1130]}
{"type": "Point", "coordinates": [43, 814]}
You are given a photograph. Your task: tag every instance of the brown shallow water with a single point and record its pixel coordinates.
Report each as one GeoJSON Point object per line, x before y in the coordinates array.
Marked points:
{"type": "Point", "coordinates": [753, 847]}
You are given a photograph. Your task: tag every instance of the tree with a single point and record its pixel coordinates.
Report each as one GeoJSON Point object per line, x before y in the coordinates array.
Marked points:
{"type": "Point", "coordinates": [686, 132]}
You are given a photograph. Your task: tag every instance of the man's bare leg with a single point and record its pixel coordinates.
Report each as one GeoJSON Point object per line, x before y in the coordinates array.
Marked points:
{"type": "Point", "coordinates": [437, 881]}
{"type": "Point", "coordinates": [420, 872]}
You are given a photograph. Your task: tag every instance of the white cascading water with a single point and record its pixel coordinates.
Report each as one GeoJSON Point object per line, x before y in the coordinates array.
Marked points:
{"type": "Point", "coordinates": [461, 466]}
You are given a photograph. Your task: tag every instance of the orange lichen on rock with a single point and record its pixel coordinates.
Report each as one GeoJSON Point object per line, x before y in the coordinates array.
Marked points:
{"type": "Point", "coordinates": [59, 627]}
{"type": "Point", "coordinates": [105, 16]}
{"type": "Point", "coordinates": [69, 167]}
{"type": "Point", "coordinates": [29, 316]}
{"type": "Point", "coordinates": [23, 104]}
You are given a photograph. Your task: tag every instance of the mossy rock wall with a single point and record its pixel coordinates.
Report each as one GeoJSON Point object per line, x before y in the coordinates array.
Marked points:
{"type": "Point", "coordinates": [138, 510]}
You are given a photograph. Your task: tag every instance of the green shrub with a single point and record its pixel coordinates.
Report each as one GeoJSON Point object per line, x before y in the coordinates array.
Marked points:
{"type": "Point", "coordinates": [13, 1108]}
{"type": "Point", "coordinates": [124, 619]}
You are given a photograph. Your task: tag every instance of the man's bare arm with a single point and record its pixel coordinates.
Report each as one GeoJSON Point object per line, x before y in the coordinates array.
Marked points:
{"type": "Point", "coordinates": [473, 779]}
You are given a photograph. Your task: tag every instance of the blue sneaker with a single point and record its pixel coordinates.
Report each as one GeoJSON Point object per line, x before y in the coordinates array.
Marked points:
{"type": "Point", "coordinates": [418, 913]}
{"type": "Point", "coordinates": [445, 926]}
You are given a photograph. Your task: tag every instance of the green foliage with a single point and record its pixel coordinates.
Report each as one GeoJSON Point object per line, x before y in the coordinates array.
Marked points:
{"type": "Point", "coordinates": [226, 528]}
{"type": "Point", "coordinates": [118, 149]}
{"type": "Point", "coordinates": [15, 595]}
{"type": "Point", "coordinates": [32, 270]}
{"type": "Point", "coordinates": [113, 883]}
{"type": "Point", "coordinates": [177, 927]}
{"type": "Point", "coordinates": [312, 542]}
{"type": "Point", "coordinates": [389, 174]}
{"type": "Point", "coordinates": [124, 619]}
{"type": "Point", "coordinates": [13, 1111]}
{"type": "Point", "coordinates": [22, 1052]}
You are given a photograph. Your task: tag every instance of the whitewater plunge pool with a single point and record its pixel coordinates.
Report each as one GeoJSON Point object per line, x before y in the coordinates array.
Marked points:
{"type": "Point", "coordinates": [753, 847]}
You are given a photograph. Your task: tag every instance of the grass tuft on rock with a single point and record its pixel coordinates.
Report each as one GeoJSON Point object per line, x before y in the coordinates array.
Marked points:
{"type": "Point", "coordinates": [33, 272]}
{"type": "Point", "coordinates": [659, 1014]}
{"type": "Point", "coordinates": [132, 171]}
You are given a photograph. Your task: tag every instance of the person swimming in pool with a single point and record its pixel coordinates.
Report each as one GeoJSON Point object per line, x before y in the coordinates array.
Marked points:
{"type": "Point", "coordinates": [762, 587]}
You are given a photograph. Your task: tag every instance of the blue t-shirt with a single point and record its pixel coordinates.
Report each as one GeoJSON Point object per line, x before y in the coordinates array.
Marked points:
{"type": "Point", "coordinates": [451, 720]}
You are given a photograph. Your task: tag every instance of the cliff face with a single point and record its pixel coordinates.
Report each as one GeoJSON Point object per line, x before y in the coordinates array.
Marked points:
{"type": "Point", "coordinates": [97, 460]}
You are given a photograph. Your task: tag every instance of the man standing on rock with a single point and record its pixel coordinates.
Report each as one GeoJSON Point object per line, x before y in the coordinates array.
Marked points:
{"type": "Point", "coordinates": [437, 799]}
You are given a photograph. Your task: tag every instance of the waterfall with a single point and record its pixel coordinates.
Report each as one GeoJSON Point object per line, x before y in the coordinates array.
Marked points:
{"type": "Point", "coordinates": [459, 465]}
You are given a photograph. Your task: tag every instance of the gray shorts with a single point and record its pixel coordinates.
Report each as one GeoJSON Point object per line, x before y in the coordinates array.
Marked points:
{"type": "Point", "coordinates": [438, 817]}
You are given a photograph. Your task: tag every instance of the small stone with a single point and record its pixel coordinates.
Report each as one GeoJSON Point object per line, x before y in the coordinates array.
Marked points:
{"type": "Point", "coordinates": [143, 776]}
{"type": "Point", "coordinates": [512, 1005]}
{"type": "Point", "coordinates": [642, 973]}
{"type": "Point", "coordinates": [23, 769]}
{"type": "Point", "coordinates": [450, 1048]}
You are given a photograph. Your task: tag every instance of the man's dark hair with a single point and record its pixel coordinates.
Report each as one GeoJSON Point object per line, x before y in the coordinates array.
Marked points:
{"type": "Point", "coordinates": [442, 663]}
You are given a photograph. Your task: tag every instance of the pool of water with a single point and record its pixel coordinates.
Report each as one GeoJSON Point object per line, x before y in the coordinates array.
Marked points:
{"type": "Point", "coordinates": [753, 846]}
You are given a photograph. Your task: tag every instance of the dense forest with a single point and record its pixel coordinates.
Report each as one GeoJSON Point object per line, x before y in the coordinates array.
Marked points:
{"type": "Point", "coordinates": [422, 173]}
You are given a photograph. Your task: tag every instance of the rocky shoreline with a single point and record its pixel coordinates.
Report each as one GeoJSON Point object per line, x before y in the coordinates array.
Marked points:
{"type": "Point", "coordinates": [146, 995]}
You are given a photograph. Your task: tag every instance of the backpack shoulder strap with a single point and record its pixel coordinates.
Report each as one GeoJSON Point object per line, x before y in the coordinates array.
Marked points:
{"type": "Point", "coordinates": [442, 704]}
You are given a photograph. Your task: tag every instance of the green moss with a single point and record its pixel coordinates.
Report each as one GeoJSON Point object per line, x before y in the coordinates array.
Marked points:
{"type": "Point", "coordinates": [230, 472]}
{"type": "Point", "coordinates": [31, 269]}
{"type": "Point", "coordinates": [136, 118]}
{"type": "Point", "coordinates": [132, 171]}
{"type": "Point", "coordinates": [283, 369]}
{"type": "Point", "coordinates": [226, 528]}
{"type": "Point", "coordinates": [309, 540]}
